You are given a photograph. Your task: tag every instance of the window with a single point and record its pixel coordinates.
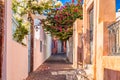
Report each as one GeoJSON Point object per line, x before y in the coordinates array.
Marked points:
{"type": "Point", "coordinates": [114, 38]}
{"type": "Point", "coordinates": [14, 25]}
{"type": "Point", "coordinates": [40, 46]}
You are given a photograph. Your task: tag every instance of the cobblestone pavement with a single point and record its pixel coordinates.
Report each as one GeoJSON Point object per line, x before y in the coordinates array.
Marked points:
{"type": "Point", "coordinates": [55, 68]}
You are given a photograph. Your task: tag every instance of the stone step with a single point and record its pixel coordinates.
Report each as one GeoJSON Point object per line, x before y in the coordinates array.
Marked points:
{"type": "Point", "coordinates": [89, 71]}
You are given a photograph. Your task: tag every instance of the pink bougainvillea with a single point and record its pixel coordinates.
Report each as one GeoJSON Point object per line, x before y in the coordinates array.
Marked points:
{"type": "Point", "coordinates": [60, 20]}
{"type": "Point", "coordinates": [72, 1]}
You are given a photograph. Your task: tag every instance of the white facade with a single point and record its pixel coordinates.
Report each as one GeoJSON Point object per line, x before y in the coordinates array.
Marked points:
{"type": "Point", "coordinates": [70, 49]}
{"type": "Point", "coordinates": [118, 15]}
{"type": "Point", "coordinates": [15, 58]}
{"type": "Point", "coordinates": [42, 45]}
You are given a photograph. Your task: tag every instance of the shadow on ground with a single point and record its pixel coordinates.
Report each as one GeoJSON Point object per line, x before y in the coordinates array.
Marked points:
{"type": "Point", "coordinates": [54, 68]}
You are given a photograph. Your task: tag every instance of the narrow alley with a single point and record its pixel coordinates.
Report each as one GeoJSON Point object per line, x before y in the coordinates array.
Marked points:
{"type": "Point", "coordinates": [54, 68]}
{"type": "Point", "coordinates": [57, 67]}
{"type": "Point", "coordinates": [59, 39]}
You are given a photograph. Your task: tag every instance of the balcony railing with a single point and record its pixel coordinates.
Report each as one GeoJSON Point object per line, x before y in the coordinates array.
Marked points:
{"type": "Point", "coordinates": [114, 38]}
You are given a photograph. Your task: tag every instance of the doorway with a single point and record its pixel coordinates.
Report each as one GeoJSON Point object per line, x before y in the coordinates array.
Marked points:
{"type": "Point", "coordinates": [91, 19]}
{"type": "Point", "coordinates": [60, 46]}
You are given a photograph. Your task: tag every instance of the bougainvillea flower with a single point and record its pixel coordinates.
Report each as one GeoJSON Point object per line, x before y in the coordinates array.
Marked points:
{"type": "Point", "coordinates": [62, 19]}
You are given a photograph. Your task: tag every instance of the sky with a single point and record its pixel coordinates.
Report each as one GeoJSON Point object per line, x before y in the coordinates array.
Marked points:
{"type": "Point", "coordinates": [117, 3]}
{"type": "Point", "coordinates": [64, 1]}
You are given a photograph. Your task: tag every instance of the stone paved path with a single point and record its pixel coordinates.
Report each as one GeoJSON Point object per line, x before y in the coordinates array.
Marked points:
{"type": "Point", "coordinates": [55, 68]}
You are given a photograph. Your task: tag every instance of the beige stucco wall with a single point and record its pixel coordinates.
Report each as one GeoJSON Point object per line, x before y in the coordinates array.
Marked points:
{"type": "Point", "coordinates": [104, 14]}
{"type": "Point", "coordinates": [87, 6]}
{"type": "Point", "coordinates": [111, 62]}
{"type": "Point", "coordinates": [17, 61]}
{"type": "Point", "coordinates": [104, 19]}
{"type": "Point", "coordinates": [99, 68]}
{"type": "Point", "coordinates": [77, 28]}
{"type": "Point", "coordinates": [40, 57]}
{"type": "Point", "coordinates": [15, 58]}
{"type": "Point", "coordinates": [16, 55]}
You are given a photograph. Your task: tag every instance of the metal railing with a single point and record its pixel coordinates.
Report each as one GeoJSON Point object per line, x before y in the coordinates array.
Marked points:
{"type": "Point", "coordinates": [114, 38]}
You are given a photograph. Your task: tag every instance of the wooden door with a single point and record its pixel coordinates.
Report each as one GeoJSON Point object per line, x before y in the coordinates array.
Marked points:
{"type": "Point", "coordinates": [91, 17]}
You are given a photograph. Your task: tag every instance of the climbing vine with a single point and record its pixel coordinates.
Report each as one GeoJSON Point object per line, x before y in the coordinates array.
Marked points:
{"type": "Point", "coordinates": [59, 21]}
{"type": "Point", "coordinates": [21, 30]}
{"type": "Point", "coordinates": [22, 9]}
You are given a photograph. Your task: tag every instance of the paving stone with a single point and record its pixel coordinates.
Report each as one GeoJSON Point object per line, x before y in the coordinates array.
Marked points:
{"type": "Point", "coordinates": [55, 68]}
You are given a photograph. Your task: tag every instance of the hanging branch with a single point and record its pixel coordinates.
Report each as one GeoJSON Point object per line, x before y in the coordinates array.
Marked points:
{"type": "Point", "coordinates": [22, 11]}
{"type": "Point", "coordinates": [59, 21]}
